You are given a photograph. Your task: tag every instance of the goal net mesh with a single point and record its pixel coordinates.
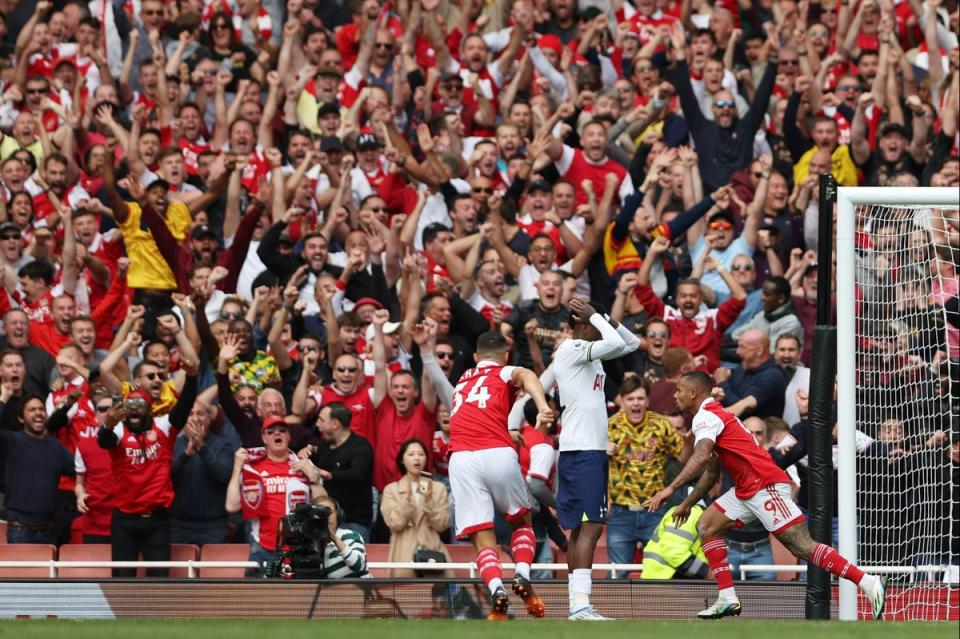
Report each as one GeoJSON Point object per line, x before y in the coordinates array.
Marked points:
{"type": "Point", "coordinates": [907, 361]}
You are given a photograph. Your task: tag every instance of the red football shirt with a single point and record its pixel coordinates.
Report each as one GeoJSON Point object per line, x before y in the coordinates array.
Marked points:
{"type": "Point", "coordinates": [392, 430]}
{"type": "Point", "coordinates": [481, 403]}
{"type": "Point", "coordinates": [279, 498]}
{"type": "Point", "coordinates": [141, 467]}
{"type": "Point", "coordinates": [361, 409]}
{"type": "Point", "coordinates": [750, 466]}
{"type": "Point", "coordinates": [575, 167]}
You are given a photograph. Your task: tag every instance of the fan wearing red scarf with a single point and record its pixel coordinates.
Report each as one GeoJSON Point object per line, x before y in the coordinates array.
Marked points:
{"type": "Point", "coordinates": [267, 483]}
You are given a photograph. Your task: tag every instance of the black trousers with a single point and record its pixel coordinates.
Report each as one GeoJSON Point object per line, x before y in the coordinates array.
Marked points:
{"type": "Point", "coordinates": [133, 535]}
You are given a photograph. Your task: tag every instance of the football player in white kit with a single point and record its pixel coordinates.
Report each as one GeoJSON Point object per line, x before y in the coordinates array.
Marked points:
{"type": "Point", "coordinates": [583, 463]}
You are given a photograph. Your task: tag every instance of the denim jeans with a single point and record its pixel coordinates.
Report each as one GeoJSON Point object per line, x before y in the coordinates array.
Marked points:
{"type": "Point", "coordinates": [625, 529]}
{"type": "Point", "coordinates": [260, 555]}
{"type": "Point", "coordinates": [24, 536]}
{"type": "Point", "coordinates": [761, 554]}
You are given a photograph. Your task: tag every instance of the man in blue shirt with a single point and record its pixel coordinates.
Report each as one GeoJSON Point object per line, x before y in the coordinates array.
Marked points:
{"type": "Point", "coordinates": [756, 387]}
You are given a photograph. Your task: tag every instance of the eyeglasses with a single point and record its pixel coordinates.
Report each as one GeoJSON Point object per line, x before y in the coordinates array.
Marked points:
{"type": "Point", "coordinates": [789, 62]}
{"type": "Point", "coordinates": [9, 237]}
{"type": "Point", "coordinates": [644, 69]}
{"type": "Point", "coordinates": [36, 91]}
{"type": "Point", "coordinates": [152, 376]}
{"type": "Point", "coordinates": [104, 408]}
{"type": "Point", "coordinates": [152, 12]}
{"type": "Point", "coordinates": [276, 429]}
{"type": "Point", "coordinates": [225, 315]}
{"type": "Point", "coordinates": [720, 226]}
{"type": "Point", "coordinates": [221, 25]}
{"type": "Point", "coordinates": [741, 267]}
{"type": "Point", "coordinates": [655, 334]}
{"type": "Point", "coordinates": [483, 189]}
{"type": "Point", "coordinates": [136, 402]}
{"type": "Point", "coordinates": [724, 103]}
{"type": "Point", "coordinates": [346, 369]}
{"type": "Point", "coordinates": [443, 355]}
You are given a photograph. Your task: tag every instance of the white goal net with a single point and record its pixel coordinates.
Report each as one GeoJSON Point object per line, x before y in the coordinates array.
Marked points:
{"type": "Point", "coordinates": [898, 382]}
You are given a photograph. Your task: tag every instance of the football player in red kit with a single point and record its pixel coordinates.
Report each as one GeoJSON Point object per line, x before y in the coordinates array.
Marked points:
{"type": "Point", "coordinates": [761, 491]}
{"type": "Point", "coordinates": [485, 472]}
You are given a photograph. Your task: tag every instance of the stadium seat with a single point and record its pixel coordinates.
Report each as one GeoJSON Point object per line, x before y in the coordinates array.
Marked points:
{"type": "Point", "coordinates": [781, 556]}
{"type": "Point", "coordinates": [84, 552]}
{"type": "Point", "coordinates": [26, 552]}
{"type": "Point", "coordinates": [178, 552]}
{"type": "Point", "coordinates": [462, 554]}
{"type": "Point", "coordinates": [223, 552]}
{"type": "Point", "coordinates": [3, 532]}
{"type": "Point", "coordinates": [378, 552]}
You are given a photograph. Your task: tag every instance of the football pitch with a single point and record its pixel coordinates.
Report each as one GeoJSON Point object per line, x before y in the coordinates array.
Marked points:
{"type": "Point", "coordinates": [430, 629]}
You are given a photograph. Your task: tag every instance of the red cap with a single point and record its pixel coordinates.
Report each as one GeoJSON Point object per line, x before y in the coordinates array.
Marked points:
{"type": "Point", "coordinates": [141, 394]}
{"type": "Point", "coordinates": [551, 41]}
{"type": "Point", "coordinates": [368, 300]}
{"type": "Point", "coordinates": [276, 420]}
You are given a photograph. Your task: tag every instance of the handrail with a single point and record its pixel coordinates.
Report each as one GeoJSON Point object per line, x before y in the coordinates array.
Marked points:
{"type": "Point", "coordinates": [193, 566]}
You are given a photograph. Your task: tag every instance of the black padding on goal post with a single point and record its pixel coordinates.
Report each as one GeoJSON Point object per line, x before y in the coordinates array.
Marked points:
{"type": "Point", "coordinates": [821, 417]}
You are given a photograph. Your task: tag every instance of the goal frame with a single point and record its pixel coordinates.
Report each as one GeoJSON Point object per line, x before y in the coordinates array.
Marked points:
{"type": "Point", "coordinates": [848, 198]}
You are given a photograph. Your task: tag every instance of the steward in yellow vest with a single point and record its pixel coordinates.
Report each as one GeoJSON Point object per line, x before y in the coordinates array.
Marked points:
{"type": "Point", "coordinates": [674, 552]}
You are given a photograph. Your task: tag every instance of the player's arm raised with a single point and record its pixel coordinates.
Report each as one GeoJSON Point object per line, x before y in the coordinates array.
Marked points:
{"type": "Point", "coordinates": [528, 381]}
{"type": "Point", "coordinates": [380, 381]}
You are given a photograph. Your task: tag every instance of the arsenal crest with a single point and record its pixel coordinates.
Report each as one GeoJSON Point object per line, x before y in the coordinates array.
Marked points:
{"type": "Point", "coordinates": [151, 436]}
{"type": "Point", "coordinates": [252, 494]}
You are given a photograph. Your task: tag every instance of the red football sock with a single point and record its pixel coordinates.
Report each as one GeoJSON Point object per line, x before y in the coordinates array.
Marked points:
{"type": "Point", "coordinates": [523, 544]}
{"type": "Point", "coordinates": [833, 562]}
{"type": "Point", "coordinates": [715, 550]}
{"type": "Point", "coordinates": [488, 563]}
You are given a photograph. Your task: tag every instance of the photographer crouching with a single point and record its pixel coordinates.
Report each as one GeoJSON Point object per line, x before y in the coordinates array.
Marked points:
{"type": "Point", "coordinates": [289, 537]}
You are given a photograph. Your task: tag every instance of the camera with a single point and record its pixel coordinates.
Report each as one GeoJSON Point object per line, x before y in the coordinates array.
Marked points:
{"type": "Point", "coordinates": [301, 537]}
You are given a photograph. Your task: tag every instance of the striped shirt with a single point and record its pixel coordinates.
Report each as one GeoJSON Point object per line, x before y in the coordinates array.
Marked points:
{"type": "Point", "coordinates": [351, 562]}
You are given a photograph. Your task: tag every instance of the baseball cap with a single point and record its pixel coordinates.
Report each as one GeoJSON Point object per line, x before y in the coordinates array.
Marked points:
{"type": "Point", "coordinates": [368, 300]}
{"type": "Point", "coordinates": [539, 185]}
{"type": "Point", "coordinates": [388, 329]}
{"type": "Point", "coordinates": [329, 71]}
{"type": "Point", "coordinates": [722, 215]}
{"type": "Point", "coordinates": [158, 182]}
{"type": "Point", "coordinates": [276, 420]}
{"type": "Point", "coordinates": [139, 393]}
{"type": "Point", "coordinates": [284, 239]}
{"type": "Point", "coordinates": [201, 231]}
{"type": "Point", "coordinates": [10, 226]}
{"type": "Point", "coordinates": [330, 143]}
{"type": "Point", "coordinates": [893, 127]}
{"type": "Point", "coordinates": [367, 141]}
{"type": "Point", "coordinates": [550, 41]}
{"type": "Point", "coordinates": [328, 107]}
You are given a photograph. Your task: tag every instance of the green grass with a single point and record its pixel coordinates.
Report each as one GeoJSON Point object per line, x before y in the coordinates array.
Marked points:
{"type": "Point", "coordinates": [360, 629]}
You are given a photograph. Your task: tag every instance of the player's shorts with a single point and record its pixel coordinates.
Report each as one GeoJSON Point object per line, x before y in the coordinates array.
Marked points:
{"type": "Point", "coordinates": [481, 480]}
{"type": "Point", "coordinates": [772, 505]}
{"type": "Point", "coordinates": [582, 490]}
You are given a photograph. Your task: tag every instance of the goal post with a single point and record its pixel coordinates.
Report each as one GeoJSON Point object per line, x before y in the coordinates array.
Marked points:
{"type": "Point", "coordinates": [865, 325]}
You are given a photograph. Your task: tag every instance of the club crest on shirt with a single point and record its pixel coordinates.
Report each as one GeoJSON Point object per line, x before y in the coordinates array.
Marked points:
{"type": "Point", "coordinates": [151, 436]}
{"type": "Point", "coordinates": [252, 494]}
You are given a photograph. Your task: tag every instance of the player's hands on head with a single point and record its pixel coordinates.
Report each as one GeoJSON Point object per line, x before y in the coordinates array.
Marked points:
{"type": "Point", "coordinates": [581, 309]}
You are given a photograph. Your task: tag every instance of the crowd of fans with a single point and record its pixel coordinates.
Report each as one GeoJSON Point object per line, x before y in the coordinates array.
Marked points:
{"type": "Point", "coordinates": [248, 245]}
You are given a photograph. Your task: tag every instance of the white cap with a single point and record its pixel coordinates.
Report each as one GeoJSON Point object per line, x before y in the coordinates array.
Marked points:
{"type": "Point", "coordinates": [388, 328]}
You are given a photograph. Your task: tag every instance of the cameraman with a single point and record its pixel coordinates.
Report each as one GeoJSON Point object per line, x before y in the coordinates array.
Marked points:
{"type": "Point", "coordinates": [345, 556]}
{"type": "Point", "coordinates": [266, 484]}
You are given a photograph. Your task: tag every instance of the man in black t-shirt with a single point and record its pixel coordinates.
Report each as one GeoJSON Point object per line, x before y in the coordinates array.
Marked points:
{"type": "Point", "coordinates": [551, 319]}
{"type": "Point", "coordinates": [896, 152]}
{"type": "Point", "coordinates": [345, 460]}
